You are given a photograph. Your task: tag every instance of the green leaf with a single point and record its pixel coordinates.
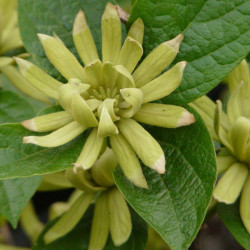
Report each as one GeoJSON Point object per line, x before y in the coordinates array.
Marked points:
{"type": "Point", "coordinates": [216, 38]}
{"type": "Point", "coordinates": [15, 194]}
{"type": "Point", "coordinates": [230, 216]}
{"type": "Point", "coordinates": [78, 238]}
{"type": "Point", "coordinates": [14, 108]}
{"type": "Point", "coordinates": [46, 16]}
{"type": "Point", "coordinates": [175, 203]}
{"type": "Point", "coordinates": [24, 160]}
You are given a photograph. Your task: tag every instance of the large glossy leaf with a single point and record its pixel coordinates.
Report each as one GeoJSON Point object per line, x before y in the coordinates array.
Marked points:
{"type": "Point", "coordinates": [78, 238]}
{"type": "Point", "coordinates": [175, 203]}
{"type": "Point", "coordinates": [217, 38]}
{"type": "Point", "coordinates": [230, 216]}
{"type": "Point", "coordinates": [46, 16]}
{"type": "Point", "coordinates": [13, 108]}
{"type": "Point", "coordinates": [15, 194]}
{"type": "Point", "coordinates": [24, 160]}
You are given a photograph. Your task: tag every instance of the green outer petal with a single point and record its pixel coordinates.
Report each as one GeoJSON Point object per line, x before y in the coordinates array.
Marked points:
{"type": "Point", "coordinates": [111, 34]}
{"type": "Point", "coordinates": [164, 84]}
{"type": "Point", "coordinates": [229, 186]}
{"type": "Point", "coordinates": [130, 54]}
{"type": "Point", "coordinates": [100, 224]}
{"type": "Point", "coordinates": [245, 204]}
{"type": "Point", "coordinates": [239, 135]}
{"type": "Point", "coordinates": [128, 160]}
{"type": "Point", "coordinates": [120, 219]}
{"type": "Point", "coordinates": [224, 162]}
{"type": "Point", "coordinates": [69, 220]}
{"type": "Point", "coordinates": [158, 60]}
{"type": "Point", "coordinates": [58, 137]}
{"type": "Point", "coordinates": [91, 150]}
{"type": "Point", "coordinates": [162, 115]}
{"type": "Point", "coordinates": [136, 30]}
{"type": "Point", "coordinates": [102, 170]}
{"type": "Point", "coordinates": [82, 113]}
{"type": "Point", "coordinates": [83, 39]}
{"type": "Point", "coordinates": [62, 58]}
{"type": "Point", "coordinates": [38, 78]}
{"type": "Point", "coordinates": [49, 122]}
{"type": "Point", "coordinates": [145, 146]}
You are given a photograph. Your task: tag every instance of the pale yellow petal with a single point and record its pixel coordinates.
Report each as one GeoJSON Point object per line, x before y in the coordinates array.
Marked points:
{"type": "Point", "coordinates": [164, 84]}
{"type": "Point", "coordinates": [136, 30]}
{"type": "Point", "coordinates": [111, 34]}
{"type": "Point", "coordinates": [83, 40]}
{"type": "Point", "coordinates": [58, 137]}
{"type": "Point", "coordinates": [158, 60]}
{"type": "Point", "coordinates": [145, 146]}
{"type": "Point", "coordinates": [128, 160]}
{"type": "Point", "coordinates": [62, 58]}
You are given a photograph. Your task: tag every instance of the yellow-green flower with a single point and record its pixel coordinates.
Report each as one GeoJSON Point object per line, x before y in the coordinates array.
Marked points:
{"type": "Point", "coordinates": [110, 96]}
{"type": "Point", "coordinates": [231, 130]}
{"type": "Point", "coordinates": [9, 40]}
{"type": "Point", "coordinates": [111, 212]}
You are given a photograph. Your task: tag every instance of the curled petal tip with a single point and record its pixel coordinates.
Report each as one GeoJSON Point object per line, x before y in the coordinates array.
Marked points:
{"type": "Point", "coordinates": [186, 119]}
{"type": "Point", "coordinates": [159, 165]}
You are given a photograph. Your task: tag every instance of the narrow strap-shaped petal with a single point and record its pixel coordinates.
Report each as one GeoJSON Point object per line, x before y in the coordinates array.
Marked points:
{"type": "Point", "coordinates": [58, 137]}
{"type": "Point", "coordinates": [128, 160]}
{"type": "Point", "coordinates": [94, 73]}
{"type": "Point", "coordinates": [124, 78]}
{"type": "Point", "coordinates": [206, 108]}
{"type": "Point", "coordinates": [62, 58]}
{"type": "Point", "coordinates": [81, 180]}
{"type": "Point", "coordinates": [229, 186]}
{"type": "Point", "coordinates": [83, 40]}
{"type": "Point", "coordinates": [69, 220]}
{"type": "Point", "coordinates": [91, 151]}
{"type": "Point", "coordinates": [239, 135]}
{"type": "Point", "coordinates": [218, 128]}
{"type": "Point", "coordinates": [49, 122]}
{"type": "Point", "coordinates": [23, 85]}
{"type": "Point", "coordinates": [100, 224]}
{"type": "Point", "coordinates": [102, 170]}
{"type": "Point", "coordinates": [82, 113]}
{"type": "Point", "coordinates": [239, 73]}
{"type": "Point", "coordinates": [109, 75]}
{"type": "Point", "coordinates": [234, 104]}
{"type": "Point", "coordinates": [164, 84]}
{"type": "Point", "coordinates": [162, 115]}
{"type": "Point", "coordinates": [130, 54]}
{"type": "Point", "coordinates": [120, 219]}
{"type": "Point", "coordinates": [245, 204]}
{"type": "Point", "coordinates": [106, 125]}
{"type": "Point", "coordinates": [158, 60]}
{"type": "Point", "coordinates": [38, 78]}
{"type": "Point", "coordinates": [133, 97]}
{"type": "Point", "coordinates": [145, 146]}
{"type": "Point", "coordinates": [111, 34]}
{"type": "Point", "coordinates": [239, 101]}
{"type": "Point", "coordinates": [224, 160]}
{"type": "Point", "coordinates": [136, 30]}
